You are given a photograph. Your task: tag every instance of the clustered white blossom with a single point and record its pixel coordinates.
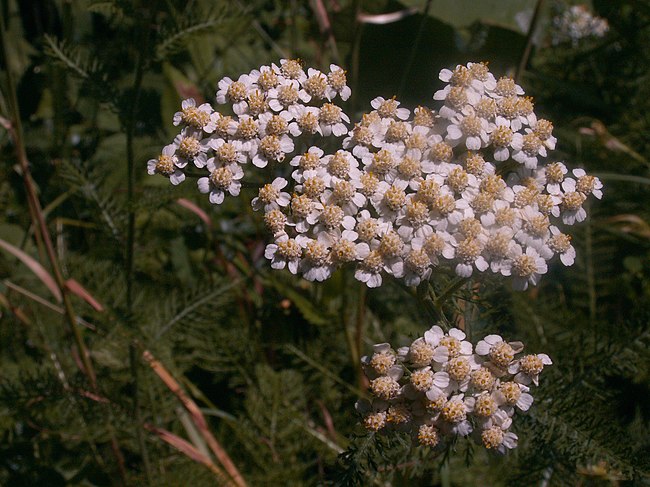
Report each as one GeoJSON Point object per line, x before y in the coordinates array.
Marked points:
{"type": "Point", "coordinates": [441, 387]}
{"type": "Point", "coordinates": [465, 187]}
{"type": "Point", "coordinates": [576, 23]}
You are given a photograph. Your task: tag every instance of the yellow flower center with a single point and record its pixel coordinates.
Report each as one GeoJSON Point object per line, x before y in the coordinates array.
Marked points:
{"type": "Point", "coordinates": [236, 92]}
{"type": "Point", "coordinates": [454, 411]}
{"type": "Point", "coordinates": [502, 353]}
{"type": "Point", "coordinates": [221, 177]}
{"type": "Point", "coordinates": [337, 79]}
{"type": "Point", "coordinates": [195, 118]}
{"type": "Point", "coordinates": [316, 85]}
{"type": "Point", "coordinates": [165, 165]}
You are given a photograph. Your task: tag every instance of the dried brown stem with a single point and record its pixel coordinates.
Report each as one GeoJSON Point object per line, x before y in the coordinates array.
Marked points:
{"type": "Point", "coordinates": [189, 450]}
{"type": "Point", "coordinates": [40, 228]}
{"type": "Point", "coordinates": [36, 211]}
{"type": "Point", "coordinates": [325, 27]}
{"type": "Point", "coordinates": [197, 418]}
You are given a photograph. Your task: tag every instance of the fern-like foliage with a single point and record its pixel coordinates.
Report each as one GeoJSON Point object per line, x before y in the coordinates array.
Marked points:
{"type": "Point", "coordinates": [89, 183]}
{"type": "Point", "coordinates": [270, 433]}
{"type": "Point", "coordinates": [84, 66]}
{"type": "Point", "coordinates": [189, 27]}
{"type": "Point", "coordinates": [272, 361]}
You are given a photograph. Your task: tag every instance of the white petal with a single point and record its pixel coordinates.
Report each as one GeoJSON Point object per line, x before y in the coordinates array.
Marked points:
{"type": "Point", "coordinates": [510, 440]}
{"type": "Point", "coordinates": [516, 346]}
{"type": "Point", "coordinates": [473, 143]}
{"type": "Point", "coordinates": [441, 379]}
{"type": "Point", "coordinates": [465, 348]}
{"type": "Point", "coordinates": [433, 335]}
{"type": "Point", "coordinates": [483, 347]}
{"type": "Point", "coordinates": [259, 161]}
{"type": "Point", "coordinates": [374, 280]}
{"type": "Point", "coordinates": [493, 339]}
{"type": "Point", "coordinates": [522, 378]}
{"type": "Point", "coordinates": [481, 264]}
{"type": "Point", "coordinates": [203, 184]}
{"type": "Point", "coordinates": [177, 178]}
{"type": "Point", "coordinates": [278, 264]}
{"type": "Point", "coordinates": [453, 132]}
{"type": "Point", "coordinates": [395, 372]}
{"type": "Point", "coordinates": [216, 197]}
{"type": "Point", "coordinates": [464, 270]}
{"type": "Point", "coordinates": [525, 401]}
{"type": "Point", "coordinates": [546, 360]}
{"type": "Point", "coordinates": [456, 333]}
{"type": "Point", "coordinates": [441, 355]}
{"type": "Point", "coordinates": [464, 428]}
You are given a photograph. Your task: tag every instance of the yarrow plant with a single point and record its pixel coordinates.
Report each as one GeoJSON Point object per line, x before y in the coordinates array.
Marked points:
{"type": "Point", "coordinates": [441, 387]}
{"type": "Point", "coordinates": [466, 186]}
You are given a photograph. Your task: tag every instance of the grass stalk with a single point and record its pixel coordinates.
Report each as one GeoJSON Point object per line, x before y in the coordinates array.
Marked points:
{"type": "Point", "coordinates": [40, 227]}
{"type": "Point", "coordinates": [197, 417]}
{"type": "Point", "coordinates": [36, 211]}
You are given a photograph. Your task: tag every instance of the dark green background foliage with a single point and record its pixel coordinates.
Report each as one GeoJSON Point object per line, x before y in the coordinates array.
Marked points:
{"type": "Point", "coordinates": [272, 360]}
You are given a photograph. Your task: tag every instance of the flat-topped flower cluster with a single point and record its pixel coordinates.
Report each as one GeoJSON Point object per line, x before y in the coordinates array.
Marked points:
{"type": "Point", "coordinates": [441, 387]}
{"type": "Point", "coordinates": [576, 23]}
{"type": "Point", "coordinates": [464, 187]}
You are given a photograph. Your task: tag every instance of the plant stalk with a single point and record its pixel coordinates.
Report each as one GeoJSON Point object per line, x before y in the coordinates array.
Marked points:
{"type": "Point", "coordinates": [36, 212]}
{"type": "Point", "coordinates": [40, 227]}
{"type": "Point", "coordinates": [130, 161]}
{"type": "Point", "coordinates": [414, 49]}
{"type": "Point", "coordinates": [523, 62]}
{"type": "Point", "coordinates": [138, 416]}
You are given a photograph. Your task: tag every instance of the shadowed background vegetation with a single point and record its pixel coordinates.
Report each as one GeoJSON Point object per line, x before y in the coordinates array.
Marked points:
{"type": "Point", "coordinates": [144, 339]}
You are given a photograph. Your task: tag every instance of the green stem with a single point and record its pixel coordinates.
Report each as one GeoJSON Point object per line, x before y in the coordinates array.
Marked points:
{"type": "Point", "coordinates": [424, 296]}
{"type": "Point", "coordinates": [294, 28]}
{"type": "Point", "coordinates": [356, 48]}
{"type": "Point", "coordinates": [360, 322]}
{"type": "Point", "coordinates": [130, 123]}
{"type": "Point", "coordinates": [130, 161]}
{"type": "Point", "coordinates": [445, 475]}
{"type": "Point", "coordinates": [325, 371]}
{"type": "Point", "coordinates": [349, 333]}
{"type": "Point", "coordinates": [36, 212]}
{"type": "Point", "coordinates": [138, 416]}
{"type": "Point", "coordinates": [434, 305]}
{"type": "Point", "coordinates": [454, 286]}
{"type": "Point", "coordinates": [523, 62]}
{"type": "Point", "coordinates": [414, 49]}
{"type": "Point", "coordinates": [40, 226]}
{"type": "Point", "coordinates": [591, 282]}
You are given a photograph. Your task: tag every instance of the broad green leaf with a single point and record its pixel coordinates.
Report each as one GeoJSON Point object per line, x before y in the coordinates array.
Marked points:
{"type": "Point", "coordinates": [12, 233]}
{"type": "Point", "coordinates": [461, 13]}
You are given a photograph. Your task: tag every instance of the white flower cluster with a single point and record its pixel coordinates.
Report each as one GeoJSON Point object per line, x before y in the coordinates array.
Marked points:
{"type": "Point", "coordinates": [576, 23]}
{"type": "Point", "coordinates": [463, 187]}
{"type": "Point", "coordinates": [270, 107]}
{"type": "Point", "coordinates": [441, 387]}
